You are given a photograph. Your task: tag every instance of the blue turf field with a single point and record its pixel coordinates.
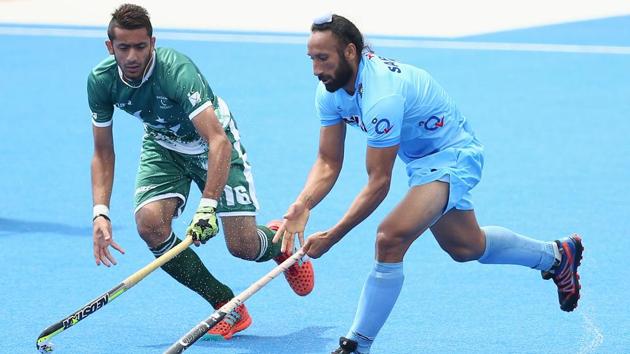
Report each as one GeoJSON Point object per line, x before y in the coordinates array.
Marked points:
{"type": "Point", "coordinates": [555, 125]}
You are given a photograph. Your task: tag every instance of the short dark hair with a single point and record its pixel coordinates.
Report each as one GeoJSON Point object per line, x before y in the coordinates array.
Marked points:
{"type": "Point", "coordinates": [129, 17]}
{"type": "Point", "coordinates": [345, 31]}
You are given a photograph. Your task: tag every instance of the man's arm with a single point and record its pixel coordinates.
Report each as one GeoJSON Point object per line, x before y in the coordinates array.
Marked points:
{"type": "Point", "coordinates": [319, 182]}
{"type": "Point", "coordinates": [380, 163]}
{"type": "Point", "coordinates": [102, 180]}
{"type": "Point", "coordinates": [204, 224]}
{"type": "Point", "coordinates": [219, 152]}
{"type": "Point", "coordinates": [327, 166]}
{"type": "Point", "coordinates": [103, 162]}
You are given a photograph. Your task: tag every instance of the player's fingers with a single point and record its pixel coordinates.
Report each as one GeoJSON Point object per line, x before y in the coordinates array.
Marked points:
{"type": "Point", "coordinates": [287, 242]}
{"type": "Point", "coordinates": [283, 247]}
{"type": "Point", "coordinates": [117, 247]}
{"type": "Point", "coordinates": [95, 253]}
{"type": "Point", "coordinates": [301, 238]}
{"type": "Point", "coordinates": [307, 246]}
{"type": "Point", "coordinates": [110, 258]}
{"type": "Point", "coordinates": [278, 233]}
{"type": "Point", "coordinates": [103, 258]}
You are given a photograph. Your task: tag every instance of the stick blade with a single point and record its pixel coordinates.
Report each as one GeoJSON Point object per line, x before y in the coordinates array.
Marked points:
{"type": "Point", "coordinates": [197, 332]}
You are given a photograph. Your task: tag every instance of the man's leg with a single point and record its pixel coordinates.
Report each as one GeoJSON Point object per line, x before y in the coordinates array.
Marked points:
{"type": "Point", "coordinates": [413, 215]}
{"type": "Point", "coordinates": [153, 221]}
{"type": "Point", "coordinates": [460, 236]}
{"type": "Point", "coordinates": [458, 233]}
{"type": "Point", "coordinates": [246, 240]}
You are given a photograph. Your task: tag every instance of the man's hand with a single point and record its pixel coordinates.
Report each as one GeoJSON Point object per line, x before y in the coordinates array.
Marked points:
{"type": "Point", "coordinates": [204, 224]}
{"type": "Point", "coordinates": [294, 223]}
{"type": "Point", "coordinates": [319, 243]}
{"type": "Point", "coordinates": [102, 236]}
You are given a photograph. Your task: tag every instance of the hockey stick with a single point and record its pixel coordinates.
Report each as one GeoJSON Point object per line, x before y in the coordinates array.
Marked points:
{"type": "Point", "coordinates": [43, 341]}
{"type": "Point", "coordinates": [198, 331]}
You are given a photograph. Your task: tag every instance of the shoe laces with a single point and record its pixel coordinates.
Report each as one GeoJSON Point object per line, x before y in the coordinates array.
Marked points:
{"type": "Point", "coordinates": [232, 317]}
{"type": "Point", "coordinates": [564, 274]}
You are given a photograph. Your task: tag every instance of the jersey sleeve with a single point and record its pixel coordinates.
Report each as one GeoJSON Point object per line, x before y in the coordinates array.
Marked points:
{"type": "Point", "coordinates": [100, 102]}
{"type": "Point", "coordinates": [325, 107]}
{"type": "Point", "coordinates": [383, 121]}
{"type": "Point", "coordinates": [189, 88]}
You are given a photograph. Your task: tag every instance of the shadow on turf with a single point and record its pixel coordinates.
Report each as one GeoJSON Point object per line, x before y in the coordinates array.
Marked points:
{"type": "Point", "coordinates": [305, 341]}
{"type": "Point", "coordinates": [15, 226]}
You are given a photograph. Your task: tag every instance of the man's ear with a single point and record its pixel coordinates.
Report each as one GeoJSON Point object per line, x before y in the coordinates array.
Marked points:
{"type": "Point", "coordinates": [351, 52]}
{"type": "Point", "coordinates": [110, 46]}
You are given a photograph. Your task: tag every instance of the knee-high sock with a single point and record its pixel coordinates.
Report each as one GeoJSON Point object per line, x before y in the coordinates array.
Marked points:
{"type": "Point", "coordinates": [504, 246]}
{"type": "Point", "coordinates": [188, 269]}
{"type": "Point", "coordinates": [268, 249]}
{"type": "Point", "coordinates": [377, 300]}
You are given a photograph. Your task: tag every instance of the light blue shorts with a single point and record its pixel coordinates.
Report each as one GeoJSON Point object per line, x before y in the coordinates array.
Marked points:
{"type": "Point", "coordinates": [459, 166]}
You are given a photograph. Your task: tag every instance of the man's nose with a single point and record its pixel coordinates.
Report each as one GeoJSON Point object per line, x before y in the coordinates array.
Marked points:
{"type": "Point", "coordinates": [133, 54]}
{"type": "Point", "coordinates": [317, 69]}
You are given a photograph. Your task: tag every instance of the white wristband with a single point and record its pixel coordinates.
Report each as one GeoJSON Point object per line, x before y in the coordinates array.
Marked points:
{"type": "Point", "coordinates": [100, 209]}
{"type": "Point", "coordinates": [208, 202]}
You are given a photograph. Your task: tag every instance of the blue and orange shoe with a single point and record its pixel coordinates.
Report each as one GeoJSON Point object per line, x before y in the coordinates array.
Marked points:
{"type": "Point", "coordinates": [235, 321]}
{"type": "Point", "coordinates": [564, 272]}
{"type": "Point", "coordinates": [300, 276]}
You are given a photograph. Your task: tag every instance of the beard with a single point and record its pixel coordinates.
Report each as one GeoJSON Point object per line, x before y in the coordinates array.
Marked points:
{"type": "Point", "coordinates": [340, 78]}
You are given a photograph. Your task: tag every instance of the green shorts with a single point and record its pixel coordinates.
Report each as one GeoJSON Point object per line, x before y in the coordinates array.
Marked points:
{"type": "Point", "coordinates": [164, 173]}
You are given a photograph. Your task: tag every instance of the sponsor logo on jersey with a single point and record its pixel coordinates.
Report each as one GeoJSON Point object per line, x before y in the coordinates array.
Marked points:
{"type": "Point", "coordinates": [165, 103]}
{"type": "Point", "coordinates": [194, 98]}
{"type": "Point", "coordinates": [94, 116]}
{"type": "Point", "coordinates": [355, 121]}
{"type": "Point", "coordinates": [122, 105]}
{"type": "Point", "coordinates": [432, 123]}
{"type": "Point", "coordinates": [144, 189]}
{"type": "Point", "coordinates": [382, 126]}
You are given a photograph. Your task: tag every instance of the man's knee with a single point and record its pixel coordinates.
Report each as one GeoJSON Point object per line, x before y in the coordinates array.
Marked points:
{"type": "Point", "coordinates": [152, 229]}
{"type": "Point", "coordinates": [463, 254]}
{"type": "Point", "coordinates": [241, 250]}
{"type": "Point", "coordinates": [464, 249]}
{"type": "Point", "coordinates": [244, 244]}
{"type": "Point", "coordinates": [389, 240]}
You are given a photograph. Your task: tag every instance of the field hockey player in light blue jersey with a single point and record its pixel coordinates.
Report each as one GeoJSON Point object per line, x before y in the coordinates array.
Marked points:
{"type": "Point", "coordinates": [404, 112]}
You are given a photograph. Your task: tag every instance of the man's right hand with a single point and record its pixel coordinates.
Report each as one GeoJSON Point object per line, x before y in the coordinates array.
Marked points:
{"type": "Point", "coordinates": [204, 224]}
{"type": "Point", "coordinates": [294, 223]}
{"type": "Point", "coordinates": [102, 236]}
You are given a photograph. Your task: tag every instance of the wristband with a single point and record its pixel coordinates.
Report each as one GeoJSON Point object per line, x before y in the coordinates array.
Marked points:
{"type": "Point", "coordinates": [204, 202]}
{"type": "Point", "coordinates": [100, 210]}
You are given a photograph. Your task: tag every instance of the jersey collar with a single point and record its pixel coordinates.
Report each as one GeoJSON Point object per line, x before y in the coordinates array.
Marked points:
{"type": "Point", "coordinates": [358, 83]}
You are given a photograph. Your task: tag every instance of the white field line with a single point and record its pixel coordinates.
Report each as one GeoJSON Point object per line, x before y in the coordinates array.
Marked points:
{"type": "Point", "coordinates": [301, 40]}
{"type": "Point", "coordinates": [593, 335]}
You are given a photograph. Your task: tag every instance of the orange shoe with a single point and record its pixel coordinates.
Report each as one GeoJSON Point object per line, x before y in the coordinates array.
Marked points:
{"type": "Point", "coordinates": [300, 276]}
{"type": "Point", "coordinates": [233, 322]}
